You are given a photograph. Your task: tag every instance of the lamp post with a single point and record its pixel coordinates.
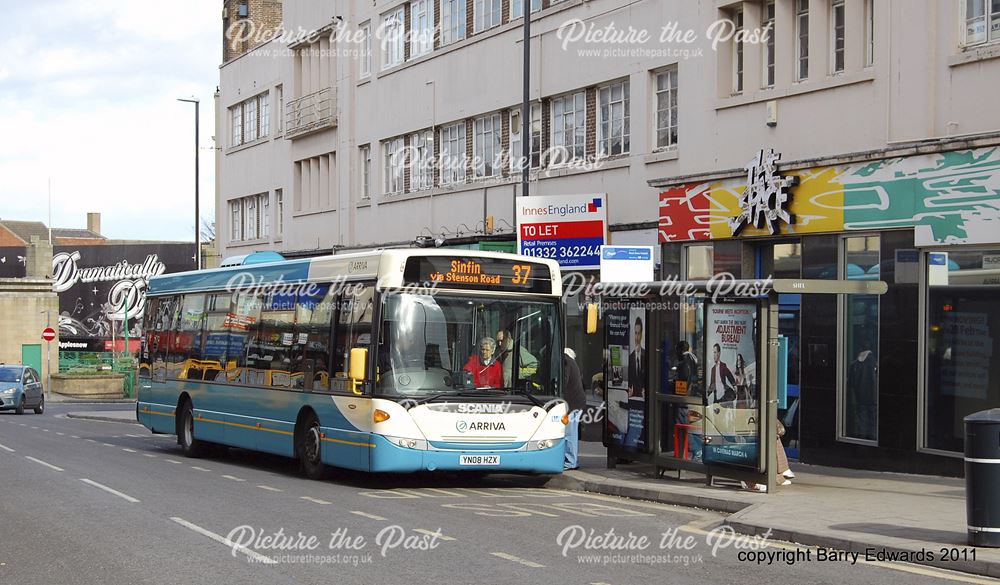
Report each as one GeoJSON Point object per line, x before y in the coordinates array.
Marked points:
{"type": "Point", "coordinates": [197, 215]}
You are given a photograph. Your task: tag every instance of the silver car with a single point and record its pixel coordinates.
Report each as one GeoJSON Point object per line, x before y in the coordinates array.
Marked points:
{"type": "Point", "coordinates": [20, 388]}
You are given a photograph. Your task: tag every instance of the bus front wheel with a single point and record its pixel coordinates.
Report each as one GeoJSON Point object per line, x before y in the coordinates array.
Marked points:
{"type": "Point", "coordinates": [190, 446]}
{"type": "Point", "coordinates": [310, 448]}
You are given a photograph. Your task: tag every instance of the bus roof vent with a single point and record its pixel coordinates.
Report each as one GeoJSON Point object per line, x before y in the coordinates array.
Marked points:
{"type": "Point", "coordinates": [251, 258]}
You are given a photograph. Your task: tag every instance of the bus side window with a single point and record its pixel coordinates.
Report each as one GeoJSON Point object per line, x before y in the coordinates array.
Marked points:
{"type": "Point", "coordinates": [354, 327]}
{"type": "Point", "coordinates": [313, 313]}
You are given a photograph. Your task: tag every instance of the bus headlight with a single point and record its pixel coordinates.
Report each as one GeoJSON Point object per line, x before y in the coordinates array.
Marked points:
{"type": "Point", "coordinates": [407, 443]}
{"type": "Point", "coordinates": [546, 444]}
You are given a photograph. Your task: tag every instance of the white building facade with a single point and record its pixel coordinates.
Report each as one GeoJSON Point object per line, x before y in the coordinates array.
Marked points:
{"type": "Point", "coordinates": [646, 101]}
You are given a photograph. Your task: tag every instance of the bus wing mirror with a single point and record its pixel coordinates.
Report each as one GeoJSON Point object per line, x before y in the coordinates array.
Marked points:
{"type": "Point", "coordinates": [359, 357]}
{"type": "Point", "coordinates": [592, 318]}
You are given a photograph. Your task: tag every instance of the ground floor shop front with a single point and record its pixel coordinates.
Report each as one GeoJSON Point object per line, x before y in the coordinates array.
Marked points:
{"type": "Point", "coordinates": [877, 382]}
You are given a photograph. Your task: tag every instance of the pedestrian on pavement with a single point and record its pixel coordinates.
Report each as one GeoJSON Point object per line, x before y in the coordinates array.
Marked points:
{"type": "Point", "coordinates": [577, 400]}
{"type": "Point", "coordinates": [783, 471]}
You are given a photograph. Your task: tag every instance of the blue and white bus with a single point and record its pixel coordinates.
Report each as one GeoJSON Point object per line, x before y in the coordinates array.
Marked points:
{"type": "Point", "coordinates": [387, 361]}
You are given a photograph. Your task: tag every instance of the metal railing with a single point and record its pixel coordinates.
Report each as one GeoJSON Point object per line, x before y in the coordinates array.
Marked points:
{"type": "Point", "coordinates": [311, 112]}
{"type": "Point", "coordinates": [84, 363]}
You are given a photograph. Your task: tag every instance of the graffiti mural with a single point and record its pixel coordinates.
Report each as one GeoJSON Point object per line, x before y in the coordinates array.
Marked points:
{"type": "Point", "coordinates": [948, 198]}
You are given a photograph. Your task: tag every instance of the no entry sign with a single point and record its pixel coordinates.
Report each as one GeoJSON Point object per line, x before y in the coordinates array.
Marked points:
{"type": "Point", "coordinates": [48, 334]}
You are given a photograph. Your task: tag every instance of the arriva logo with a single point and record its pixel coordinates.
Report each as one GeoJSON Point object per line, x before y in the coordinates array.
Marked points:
{"type": "Point", "coordinates": [462, 426]}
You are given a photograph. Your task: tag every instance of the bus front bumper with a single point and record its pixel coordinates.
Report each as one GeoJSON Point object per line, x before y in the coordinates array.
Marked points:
{"type": "Point", "coordinates": [389, 457]}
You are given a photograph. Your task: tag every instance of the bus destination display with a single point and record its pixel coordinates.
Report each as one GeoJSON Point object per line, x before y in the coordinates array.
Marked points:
{"type": "Point", "coordinates": [495, 274]}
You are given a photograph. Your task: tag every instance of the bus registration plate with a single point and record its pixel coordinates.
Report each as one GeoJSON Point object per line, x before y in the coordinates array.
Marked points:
{"type": "Point", "coordinates": [479, 460]}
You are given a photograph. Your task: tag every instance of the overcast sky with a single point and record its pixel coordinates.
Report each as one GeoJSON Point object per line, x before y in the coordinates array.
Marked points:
{"type": "Point", "coordinates": [88, 92]}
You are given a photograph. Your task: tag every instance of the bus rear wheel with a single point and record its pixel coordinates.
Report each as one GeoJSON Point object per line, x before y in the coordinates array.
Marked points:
{"type": "Point", "coordinates": [190, 446]}
{"type": "Point", "coordinates": [310, 448]}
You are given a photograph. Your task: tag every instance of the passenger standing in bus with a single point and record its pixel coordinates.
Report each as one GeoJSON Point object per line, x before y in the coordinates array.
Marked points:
{"type": "Point", "coordinates": [577, 400]}
{"type": "Point", "coordinates": [485, 369]}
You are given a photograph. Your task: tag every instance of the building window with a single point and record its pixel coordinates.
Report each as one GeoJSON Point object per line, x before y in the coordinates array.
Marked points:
{"type": "Point", "coordinates": [281, 108]}
{"type": "Point", "coordinates": [236, 115]}
{"type": "Point", "coordinates": [517, 8]}
{"type": "Point", "coordinates": [366, 171]}
{"type": "Point", "coordinates": [250, 119]}
{"type": "Point", "coordinates": [516, 148]}
{"type": "Point", "coordinates": [453, 154]}
{"type": "Point", "coordinates": [236, 220]}
{"type": "Point", "coordinates": [279, 204]}
{"type": "Point", "coordinates": [837, 35]}
{"type": "Point", "coordinates": [421, 27]}
{"type": "Point", "coordinates": [264, 103]}
{"type": "Point", "coordinates": [802, 39]}
{"type": "Point", "coordinates": [393, 38]}
{"type": "Point", "coordinates": [869, 33]}
{"type": "Point", "coordinates": [421, 160]}
{"type": "Point", "coordinates": [265, 215]}
{"type": "Point", "coordinates": [365, 58]}
{"type": "Point", "coordinates": [394, 159]}
{"type": "Point", "coordinates": [963, 359]}
{"type": "Point", "coordinates": [569, 128]}
{"type": "Point", "coordinates": [250, 220]}
{"type": "Point", "coordinates": [613, 119]}
{"type": "Point", "coordinates": [487, 146]}
{"type": "Point", "coordinates": [768, 16]}
{"type": "Point", "coordinates": [738, 52]}
{"type": "Point", "coordinates": [666, 109]}
{"type": "Point", "coordinates": [860, 343]}
{"type": "Point", "coordinates": [487, 14]}
{"type": "Point", "coordinates": [699, 261]}
{"type": "Point", "coordinates": [980, 16]}
{"type": "Point", "coordinates": [452, 21]}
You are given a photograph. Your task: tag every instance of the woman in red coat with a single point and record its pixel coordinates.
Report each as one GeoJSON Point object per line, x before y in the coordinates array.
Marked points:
{"type": "Point", "coordinates": [486, 371]}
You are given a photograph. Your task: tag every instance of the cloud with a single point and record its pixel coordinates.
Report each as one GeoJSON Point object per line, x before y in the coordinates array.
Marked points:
{"type": "Point", "coordinates": [88, 98]}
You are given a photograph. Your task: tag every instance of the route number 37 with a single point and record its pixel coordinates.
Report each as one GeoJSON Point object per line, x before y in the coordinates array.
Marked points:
{"type": "Point", "coordinates": [521, 273]}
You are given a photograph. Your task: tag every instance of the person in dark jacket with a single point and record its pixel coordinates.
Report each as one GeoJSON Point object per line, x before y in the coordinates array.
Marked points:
{"type": "Point", "coordinates": [575, 397]}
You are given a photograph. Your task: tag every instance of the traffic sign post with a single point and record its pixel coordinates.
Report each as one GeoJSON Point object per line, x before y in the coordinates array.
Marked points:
{"type": "Point", "coordinates": [48, 334]}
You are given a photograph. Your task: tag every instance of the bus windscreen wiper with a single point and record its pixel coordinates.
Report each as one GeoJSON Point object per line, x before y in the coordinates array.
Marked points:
{"type": "Point", "coordinates": [530, 397]}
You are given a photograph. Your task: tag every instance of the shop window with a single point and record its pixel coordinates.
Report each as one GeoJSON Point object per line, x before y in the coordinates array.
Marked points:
{"type": "Point", "coordinates": [859, 375]}
{"type": "Point", "coordinates": [963, 364]}
{"type": "Point", "coordinates": [699, 261]}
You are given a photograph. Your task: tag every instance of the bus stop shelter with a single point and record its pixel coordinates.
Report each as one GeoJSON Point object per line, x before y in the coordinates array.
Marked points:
{"type": "Point", "coordinates": [713, 412]}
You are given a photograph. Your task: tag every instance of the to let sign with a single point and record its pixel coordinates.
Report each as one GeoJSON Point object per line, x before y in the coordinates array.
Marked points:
{"type": "Point", "coordinates": [569, 229]}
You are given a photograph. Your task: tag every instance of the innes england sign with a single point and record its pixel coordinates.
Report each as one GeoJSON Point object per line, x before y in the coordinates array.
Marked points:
{"type": "Point", "coordinates": [569, 229]}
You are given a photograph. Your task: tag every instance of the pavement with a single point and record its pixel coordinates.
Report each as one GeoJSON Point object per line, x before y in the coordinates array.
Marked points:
{"type": "Point", "coordinates": [881, 515]}
{"type": "Point", "coordinates": [920, 517]}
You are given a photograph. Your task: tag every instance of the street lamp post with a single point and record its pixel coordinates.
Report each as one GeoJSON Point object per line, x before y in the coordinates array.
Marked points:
{"type": "Point", "coordinates": [197, 215]}
{"type": "Point", "coordinates": [525, 103]}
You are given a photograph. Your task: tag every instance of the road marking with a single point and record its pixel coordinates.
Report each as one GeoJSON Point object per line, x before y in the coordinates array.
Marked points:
{"type": "Point", "coordinates": [110, 490]}
{"type": "Point", "coordinates": [91, 440]}
{"type": "Point", "coordinates": [6, 448]}
{"type": "Point", "coordinates": [150, 455]}
{"type": "Point", "coordinates": [366, 515]}
{"type": "Point", "coordinates": [49, 465]}
{"type": "Point", "coordinates": [269, 488]}
{"type": "Point", "coordinates": [32, 427]}
{"type": "Point", "coordinates": [107, 444]}
{"type": "Point", "coordinates": [436, 533]}
{"type": "Point", "coordinates": [175, 461]}
{"type": "Point", "coordinates": [45, 430]}
{"type": "Point", "coordinates": [233, 478]}
{"type": "Point", "coordinates": [199, 468]}
{"type": "Point", "coordinates": [129, 450]}
{"type": "Point", "coordinates": [510, 557]}
{"type": "Point", "coordinates": [136, 436]}
{"type": "Point", "coordinates": [74, 437]}
{"type": "Point", "coordinates": [223, 540]}
{"type": "Point", "coordinates": [316, 500]}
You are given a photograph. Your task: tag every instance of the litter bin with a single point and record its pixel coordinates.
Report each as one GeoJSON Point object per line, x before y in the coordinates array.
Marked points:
{"type": "Point", "coordinates": [982, 477]}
